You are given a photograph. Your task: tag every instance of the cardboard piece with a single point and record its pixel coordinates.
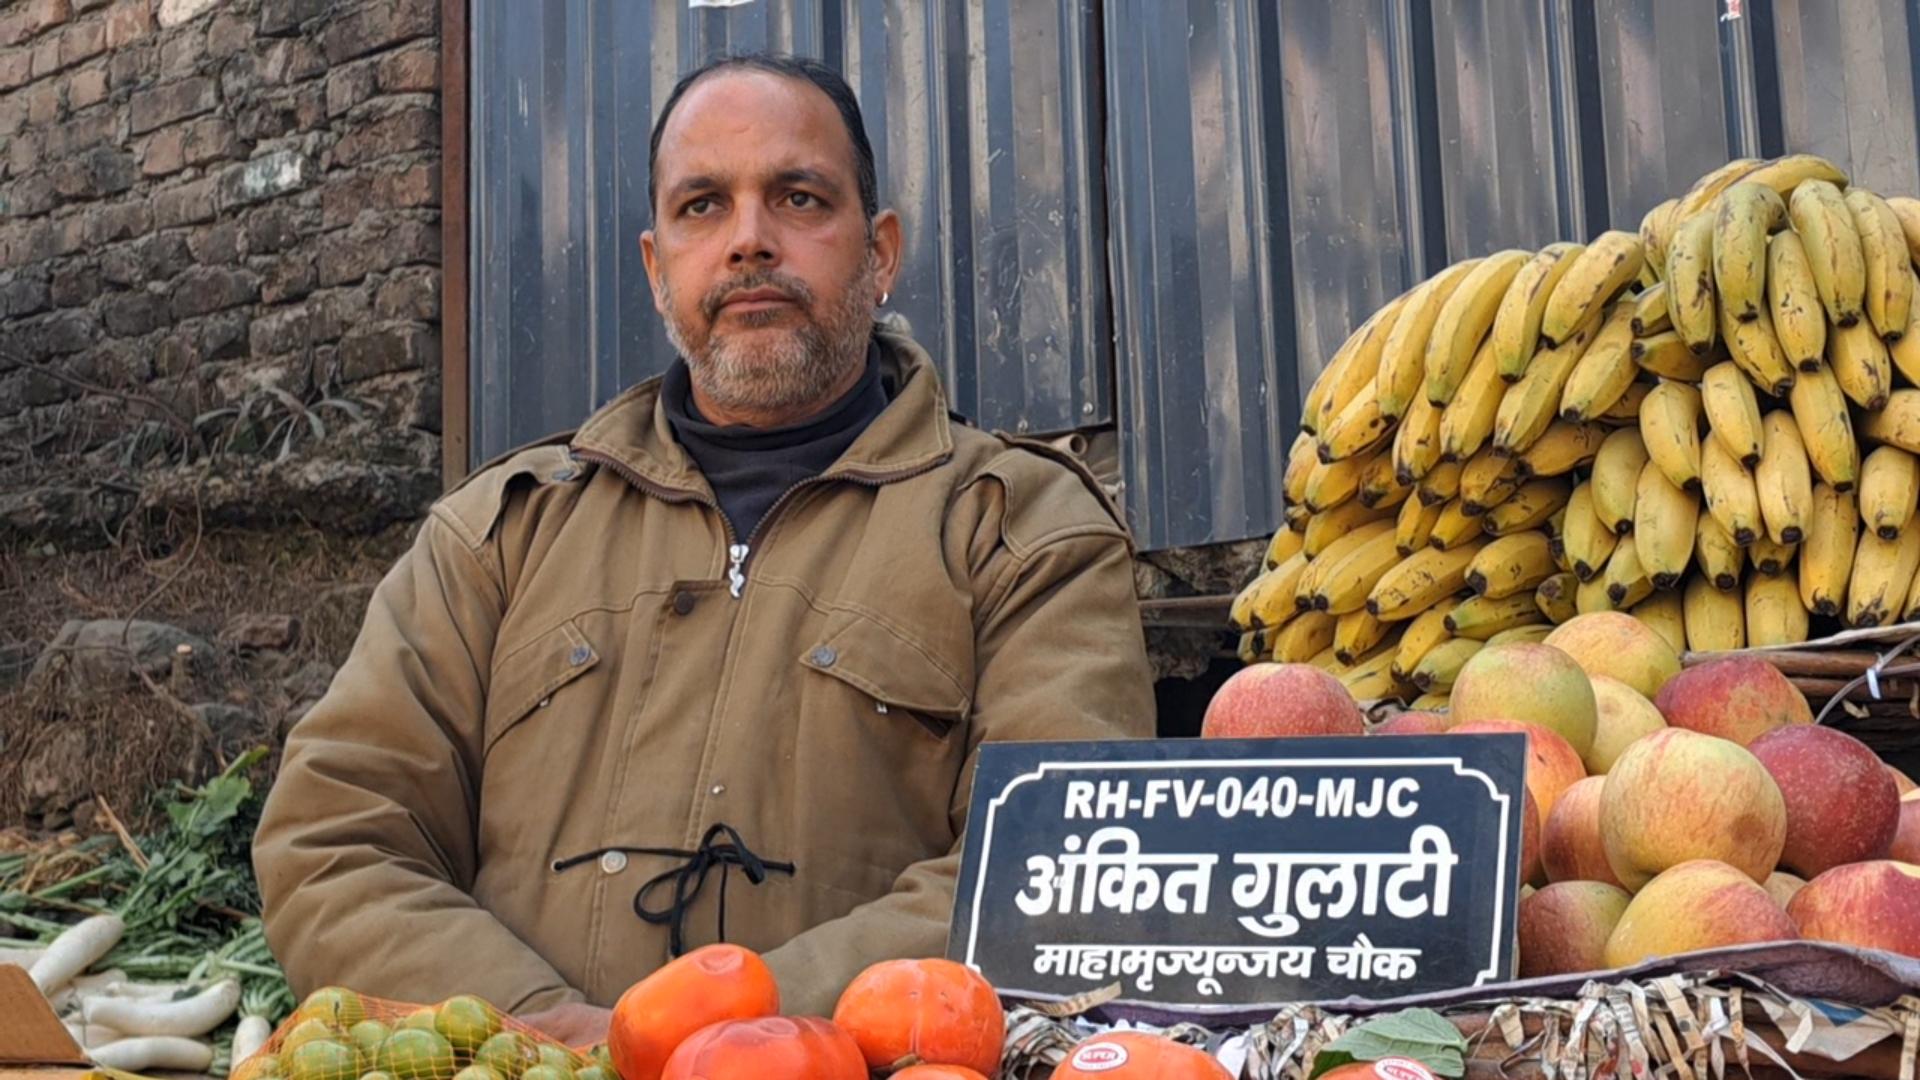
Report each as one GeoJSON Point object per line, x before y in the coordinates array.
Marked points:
{"type": "Point", "coordinates": [34, 1044]}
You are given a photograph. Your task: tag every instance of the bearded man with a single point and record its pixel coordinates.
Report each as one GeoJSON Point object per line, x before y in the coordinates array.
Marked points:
{"type": "Point", "coordinates": [751, 622]}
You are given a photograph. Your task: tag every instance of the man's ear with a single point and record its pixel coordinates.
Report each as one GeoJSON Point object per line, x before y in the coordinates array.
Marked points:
{"type": "Point", "coordinates": [652, 258]}
{"type": "Point", "coordinates": [888, 246]}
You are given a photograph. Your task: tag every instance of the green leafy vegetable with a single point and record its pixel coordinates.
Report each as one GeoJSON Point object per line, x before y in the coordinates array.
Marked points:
{"type": "Point", "coordinates": [1420, 1034]}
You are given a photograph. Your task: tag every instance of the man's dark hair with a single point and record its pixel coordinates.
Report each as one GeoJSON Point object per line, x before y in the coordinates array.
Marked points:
{"type": "Point", "coordinates": [827, 80]}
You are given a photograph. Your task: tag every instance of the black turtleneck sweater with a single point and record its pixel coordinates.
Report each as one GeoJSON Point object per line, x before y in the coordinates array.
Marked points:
{"type": "Point", "coordinates": [749, 468]}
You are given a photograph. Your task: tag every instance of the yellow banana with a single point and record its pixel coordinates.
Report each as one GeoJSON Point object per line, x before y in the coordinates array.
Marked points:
{"type": "Point", "coordinates": [1825, 224]}
{"type": "Point", "coordinates": [1719, 558]}
{"type": "Point", "coordinates": [1913, 603]}
{"type": "Point", "coordinates": [1664, 520]}
{"type": "Point", "coordinates": [1626, 411]}
{"type": "Point", "coordinates": [1826, 430]}
{"type": "Point", "coordinates": [1300, 639]}
{"type": "Point", "coordinates": [1482, 617]}
{"type": "Point", "coordinates": [1889, 490]}
{"type": "Point", "coordinates": [1708, 188]}
{"type": "Point", "coordinates": [1416, 442]}
{"type": "Point", "coordinates": [1626, 577]}
{"type": "Point", "coordinates": [1883, 572]}
{"type": "Point", "coordinates": [1351, 371]}
{"type": "Point", "coordinates": [1883, 246]}
{"type": "Point", "coordinates": [1253, 647]}
{"type": "Point", "coordinates": [1404, 357]}
{"type": "Point", "coordinates": [1360, 427]}
{"type": "Point", "coordinates": [1755, 347]}
{"type": "Point", "coordinates": [1324, 660]}
{"type": "Point", "coordinates": [1356, 634]}
{"type": "Point", "coordinates": [1367, 679]}
{"type": "Point", "coordinates": [1300, 462]}
{"type": "Point", "coordinates": [1604, 371]}
{"type": "Point", "coordinates": [1441, 484]}
{"type": "Point", "coordinates": [1511, 566]}
{"type": "Point", "coordinates": [1716, 620]}
{"type": "Point", "coordinates": [1826, 558]}
{"type": "Point", "coordinates": [1591, 596]}
{"type": "Point", "coordinates": [1268, 600]}
{"type": "Point", "coordinates": [1415, 525]}
{"type": "Point", "coordinates": [1379, 487]}
{"type": "Point", "coordinates": [1331, 530]}
{"type": "Point", "coordinates": [1616, 479]}
{"type": "Point", "coordinates": [1650, 312]}
{"type": "Point", "coordinates": [1747, 213]}
{"type": "Point", "coordinates": [1434, 702]}
{"type": "Point", "coordinates": [1467, 422]}
{"type": "Point", "coordinates": [1587, 540]}
{"type": "Point", "coordinates": [1732, 500]}
{"type": "Point", "coordinates": [1535, 633]}
{"type": "Point", "coordinates": [1670, 424]}
{"type": "Point", "coordinates": [1597, 275]}
{"type": "Point", "coordinates": [1441, 665]}
{"type": "Point", "coordinates": [1285, 543]}
{"type": "Point", "coordinates": [1555, 598]}
{"type": "Point", "coordinates": [1733, 411]}
{"type": "Point", "coordinates": [1343, 587]}
{"type": "Point", "coordinates": [1488, 480]}
{"type": "Point", "coordinates": [1667, 356]}
{"type": "Point", "coordinates": [1784, 480]}
{"type": "Point", "coordinates": [1331, 552]}
{"type": "Point", "coordinates": [1423, 632]}
{"type": "Point", "coordinates": [1655, 228]}
{"type": "Point", "coordinates": [1422, 580]}
{"type": "Point", "coordinates": [1530, 507]}
{"type": "Point", "coordinates": [1665, 613]}
{"type": "Point", "coordinates": [1906, 351]}
{"type": "Point", "coordinates": [1691, 306]}
{"type": "Point", "coordinates": [1783, 174]}
{"type": "Point", "coordinates": [1907, 211]}
{"type": "Point", "coordinates": [1769, 557]}
{"type": "Point", "coordinates": [1332, 483]}
{"type": "Point", "coordinates": [1516, 326]}
{"type": "Point", "coordinates": [1531, 404]}
{"type": "Point", "coordinates": [1460, 333]}
{"type": "Point", "coordinates": [1297, 516]}
{"type": "Point", "coordinates": [1862, 364]}
{"type": "Point", "coordinates": [1455, 528]}
{"type": "Point", "coordinates": [1799, 320]}
{"type": "Point", "coordinates": [1565, 447]}
{"type": "Point", "coordinates": [1898, 424]}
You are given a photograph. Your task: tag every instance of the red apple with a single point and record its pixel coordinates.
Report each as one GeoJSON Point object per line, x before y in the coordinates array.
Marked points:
{"type": "Point", "coordinates": [1842, 805]}
{"type": "Point", "coordinates": [1266, 701]}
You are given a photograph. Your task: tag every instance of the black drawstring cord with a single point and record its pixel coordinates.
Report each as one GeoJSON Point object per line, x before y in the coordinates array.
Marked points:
{"type": "Point", "coordinates": [689, 877]}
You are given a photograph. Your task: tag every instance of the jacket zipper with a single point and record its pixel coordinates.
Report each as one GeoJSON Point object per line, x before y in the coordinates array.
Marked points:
{"type": "Point", "coordinates": [739, 551]}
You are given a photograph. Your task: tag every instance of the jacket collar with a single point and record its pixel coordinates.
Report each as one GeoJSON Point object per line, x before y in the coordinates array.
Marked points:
{"type": "Point", "coordinates": [911, 435]}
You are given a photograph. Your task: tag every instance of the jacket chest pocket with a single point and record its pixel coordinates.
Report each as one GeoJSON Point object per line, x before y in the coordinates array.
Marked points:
{"type": "Point", "coordinates": [530, 677]}
{"type": "Point", "coordinates": [899, 679]}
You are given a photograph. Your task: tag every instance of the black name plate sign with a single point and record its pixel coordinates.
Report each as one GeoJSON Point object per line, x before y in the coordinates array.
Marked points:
{"type": "Point", "coordinates": [1217, 873]}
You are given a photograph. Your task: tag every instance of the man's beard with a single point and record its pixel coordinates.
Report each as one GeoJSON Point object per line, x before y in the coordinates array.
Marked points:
{"type": "Point", "coordinates": [781, 371]}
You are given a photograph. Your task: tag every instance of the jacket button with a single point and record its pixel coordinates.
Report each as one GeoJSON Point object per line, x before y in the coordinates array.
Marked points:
{"type": "Point", "coordinates": [579, 655]}
{"type": "Point", "coordinates": [683, 602]}
{"type": "Point", "coordinates": [718, 789]}
{"type": "Point", "coordinates": [613, 862]}
{"type": "Point", "coordinates": [824, 656]}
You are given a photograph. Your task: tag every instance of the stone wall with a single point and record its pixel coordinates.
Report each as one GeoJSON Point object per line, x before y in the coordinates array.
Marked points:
{"type": "Point", "coordinates": [219, 263]}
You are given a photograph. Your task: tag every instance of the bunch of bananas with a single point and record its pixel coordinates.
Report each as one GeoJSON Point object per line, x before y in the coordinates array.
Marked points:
{"type": "Point", "coordinates": [1713, 424]}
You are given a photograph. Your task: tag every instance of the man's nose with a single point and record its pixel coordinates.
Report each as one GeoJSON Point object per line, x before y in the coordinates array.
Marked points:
{"type": "Point", "coordinates": [754, 241]}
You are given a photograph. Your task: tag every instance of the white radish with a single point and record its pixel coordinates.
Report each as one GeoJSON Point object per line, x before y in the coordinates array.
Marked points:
{"type": "Point", "coordinates": [75, 950]}
{"type": "Point", "coordinates": [25, 958]}
{"type": "Point", "coordinates": [92, 1035]}
{"type": "Point", "coordinates": [248, 1038]}
{"type": "Point", "coordinates": [169, 1052]}
{"type": "Point", "coordinates": [136, 991]}
{"type": "Point", "coordinates": [99, 981]}
{"type": "Point", "coordinates": [196, 1015]}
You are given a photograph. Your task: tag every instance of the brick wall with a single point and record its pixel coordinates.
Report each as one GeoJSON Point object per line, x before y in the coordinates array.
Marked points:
{"type": "Point", "coordinates": [219, 262]}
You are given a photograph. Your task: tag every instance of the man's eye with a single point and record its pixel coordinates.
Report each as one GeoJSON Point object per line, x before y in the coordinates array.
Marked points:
{"type": "Point", "coordinates": [800, 200]}
{"type": "Point", "coordinates": [698, 207]}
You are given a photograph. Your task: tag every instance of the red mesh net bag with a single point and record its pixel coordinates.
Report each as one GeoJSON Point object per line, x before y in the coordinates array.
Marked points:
{"type": "Point", "coordinates": [340, 1035]}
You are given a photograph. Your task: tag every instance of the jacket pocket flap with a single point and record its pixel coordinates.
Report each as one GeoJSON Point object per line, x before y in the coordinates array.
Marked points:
{"type": "Point", "coordinates": [526, 677]}
{"type": "Point", "coordinates": [888, 666]}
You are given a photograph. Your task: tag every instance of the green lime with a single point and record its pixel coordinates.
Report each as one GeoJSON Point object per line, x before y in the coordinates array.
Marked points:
{"type": "Point", "coordinates": [476, 1072]}
{"type": "Point", "coordinates": [367, 1035]}
{"type": "Point", "coordinates": [412, 1054]}
{"type": "Point", "coordinates": [558, 1057]}
{"type": "Point", "coordinates": [547, 1072]}
{"type": "Point", "coordinates": [337, 1006]}
{"type": "Point", "coordinates": [417, 1020]}
{"type": "Point", "coordinates": [467, 1022]}
{"type": "Point", "coordinates": [603, 1054]}
{"type": "Point", "coordinates": [306, 1031]}
{"type": "Point", "coordinates": [323, 1059]}
{"type": "Point", "coordinates": [376, 1075]}
{"type": "Point", "coordinates": [259, 1067]}
{"type": "Point", "coordinates": [595, 1072]}
{"type": "Point", "coordinates": [508, 1054]}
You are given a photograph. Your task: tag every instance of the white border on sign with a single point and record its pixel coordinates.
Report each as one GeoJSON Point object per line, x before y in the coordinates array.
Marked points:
{"type": "Point", "coordinates": [1491, 972]}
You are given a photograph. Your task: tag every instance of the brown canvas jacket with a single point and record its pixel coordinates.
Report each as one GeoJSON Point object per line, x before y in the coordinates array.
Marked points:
{"type": "Point", "coordinates": [560, 666]}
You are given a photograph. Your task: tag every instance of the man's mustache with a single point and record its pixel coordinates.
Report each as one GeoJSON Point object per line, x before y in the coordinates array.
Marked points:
{"type": "Point", "coordinates": [794, 289]}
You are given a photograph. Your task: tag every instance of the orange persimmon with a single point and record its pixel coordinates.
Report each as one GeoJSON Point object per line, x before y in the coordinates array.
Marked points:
{"type": "Point", "coordinates": [704, 987]}
{"type": "Point", "coordinates": [1124, 1055]}
{"type": "Point", "coordinates": [770, 1048]}
{"type": "Point", "coordinates": [936, 1012]}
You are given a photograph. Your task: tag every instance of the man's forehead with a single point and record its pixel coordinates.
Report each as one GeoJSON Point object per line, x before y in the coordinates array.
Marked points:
{"type": "Point", "coordinates": [751, 124]}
